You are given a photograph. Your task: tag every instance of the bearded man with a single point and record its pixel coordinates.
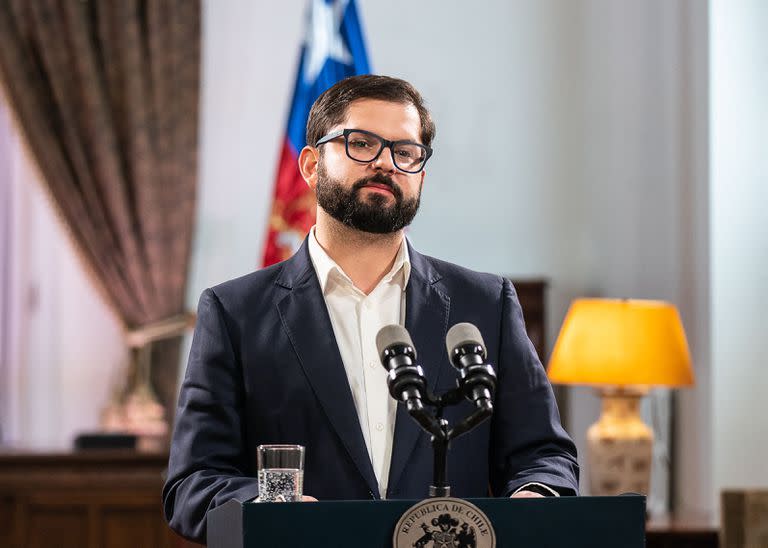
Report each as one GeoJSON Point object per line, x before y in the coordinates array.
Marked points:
{"type": "Point", "coordinates": [287, 354]}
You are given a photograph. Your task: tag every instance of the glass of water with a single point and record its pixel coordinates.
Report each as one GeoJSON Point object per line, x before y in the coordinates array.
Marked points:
{"type": "Point", "coordinates": [281, 472]}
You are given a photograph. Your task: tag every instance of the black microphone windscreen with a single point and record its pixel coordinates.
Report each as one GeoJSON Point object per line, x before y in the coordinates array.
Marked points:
{"type": "Point", "coordinates": [392, 334]}
{"type": "Point", "coordinates": [461, 334]}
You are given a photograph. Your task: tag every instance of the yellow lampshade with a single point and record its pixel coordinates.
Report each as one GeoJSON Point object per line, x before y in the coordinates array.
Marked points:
{"type": "Point", "coordinates": [621, 343]}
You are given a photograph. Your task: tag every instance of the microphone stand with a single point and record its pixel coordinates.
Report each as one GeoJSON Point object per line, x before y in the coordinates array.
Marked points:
{"type": "Point", "coordinates": [442, 434]}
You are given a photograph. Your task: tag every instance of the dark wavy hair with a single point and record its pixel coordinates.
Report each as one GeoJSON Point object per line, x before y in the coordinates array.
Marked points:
{"type": "Point", "coordinates": [331, 107]}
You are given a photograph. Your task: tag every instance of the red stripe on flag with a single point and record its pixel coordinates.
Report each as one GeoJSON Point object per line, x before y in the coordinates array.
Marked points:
{"type": "Point", "coordinates": [293, 209]}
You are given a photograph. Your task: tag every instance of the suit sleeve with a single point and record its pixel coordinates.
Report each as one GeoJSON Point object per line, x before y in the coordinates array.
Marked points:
{"type": "Point", "coordinates": [528, 443]}
{"type": "Point", "coordinates": [208, 463]}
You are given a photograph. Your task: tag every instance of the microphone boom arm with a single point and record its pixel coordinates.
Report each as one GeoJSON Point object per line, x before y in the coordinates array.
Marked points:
{"type": "Point", "coordinates": [484, 411]}
{"type": "Point", "coordinates": [424, 418]}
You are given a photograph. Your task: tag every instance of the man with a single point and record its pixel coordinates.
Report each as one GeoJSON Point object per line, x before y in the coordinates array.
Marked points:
{"type": "Point", "coordinates": [287, 354]}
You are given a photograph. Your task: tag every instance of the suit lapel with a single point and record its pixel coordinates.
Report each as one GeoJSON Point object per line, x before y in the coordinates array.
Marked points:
{"type": "Point", "coordinates": [306, 321]}
{"type": "Point", "coordinates": [426, 319]}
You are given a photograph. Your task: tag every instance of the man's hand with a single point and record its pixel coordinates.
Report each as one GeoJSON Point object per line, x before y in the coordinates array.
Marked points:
{"type": "Point", "coordinates": [281, 498]}
{"type": "Point", "coordinates": [527, 495]}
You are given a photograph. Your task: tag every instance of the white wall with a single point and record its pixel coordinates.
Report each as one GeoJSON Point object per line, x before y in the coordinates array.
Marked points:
{"type": "Point", "coordinates": [637, 155]}
{"type": "Point", "coordinates": [739, 245]}
{"type": "Point", "coordinates": [693, 486]}
{"type": "Point", "coordinates": [249, 58]}
{"type": "Point", "coordinates": [6, 217]}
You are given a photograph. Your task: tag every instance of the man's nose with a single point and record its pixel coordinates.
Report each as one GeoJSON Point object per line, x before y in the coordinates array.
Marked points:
{"type": "Point", "coordinates": [384, 161]}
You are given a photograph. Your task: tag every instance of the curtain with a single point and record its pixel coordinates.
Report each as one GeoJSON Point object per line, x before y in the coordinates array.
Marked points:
{"type": "Point", "coordinates": [106, 94]}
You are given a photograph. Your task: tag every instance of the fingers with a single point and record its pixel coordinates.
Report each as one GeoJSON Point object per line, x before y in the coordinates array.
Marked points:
{"type": "Point", "coordinates": [307, 498]}
{"type": "Point", "coordinates": [527, 495]}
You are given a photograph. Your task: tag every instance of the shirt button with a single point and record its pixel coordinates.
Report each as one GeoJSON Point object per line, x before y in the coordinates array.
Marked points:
{"type": "Point", "coordinates": [367, 305]}
{"type": "Point", "coordinates": [379, 426]}
{"type": "Point", "coordinates": [372, 365]}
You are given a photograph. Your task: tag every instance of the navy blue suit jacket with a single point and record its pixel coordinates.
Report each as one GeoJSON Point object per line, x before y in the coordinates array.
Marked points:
{"type": "Point", "coordinates": [265, 368]}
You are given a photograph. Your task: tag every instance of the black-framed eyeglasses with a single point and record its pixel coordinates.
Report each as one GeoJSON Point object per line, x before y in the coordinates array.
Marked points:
{"type": "Point", "coordinates": [365, 146]}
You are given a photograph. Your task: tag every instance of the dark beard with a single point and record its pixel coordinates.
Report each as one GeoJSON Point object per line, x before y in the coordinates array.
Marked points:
{"type": "Point", "coordinates": [371, 215]}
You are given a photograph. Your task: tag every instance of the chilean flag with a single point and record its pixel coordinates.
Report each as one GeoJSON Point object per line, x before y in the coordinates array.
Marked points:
{"type": "Point", "coordinates": [333, 49]}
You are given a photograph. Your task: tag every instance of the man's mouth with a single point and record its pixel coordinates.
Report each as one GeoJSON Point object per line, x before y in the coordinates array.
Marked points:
{"type": "Point", "coordinates": [379, 187]}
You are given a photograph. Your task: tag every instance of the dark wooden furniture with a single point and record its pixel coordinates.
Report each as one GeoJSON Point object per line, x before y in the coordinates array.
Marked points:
{"type": "Point", "coordinates": [104, 499]}
{"type": "Point", "coordinates": [693, 531]}
{"type": "Point", "coordinates": [744, 517]}
{"type": "Point", "coordinates": [532, 295]}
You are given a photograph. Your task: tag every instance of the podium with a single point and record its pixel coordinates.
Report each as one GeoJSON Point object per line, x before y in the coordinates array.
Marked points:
{"type": "Point", "coordinates": [575, 522]}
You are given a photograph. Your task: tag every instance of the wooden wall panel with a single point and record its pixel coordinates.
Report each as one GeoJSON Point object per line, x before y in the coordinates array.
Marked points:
{"type": "Point", "coordinates": [123, 527]}
{"type": "Point", "coordinates": [7, 519]}
{"type": "Point", "coordinates": [56, 526]}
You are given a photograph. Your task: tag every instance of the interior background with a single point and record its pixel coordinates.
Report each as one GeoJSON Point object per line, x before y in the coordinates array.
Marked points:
{"type": "Point", "coordinates": [612, 147]}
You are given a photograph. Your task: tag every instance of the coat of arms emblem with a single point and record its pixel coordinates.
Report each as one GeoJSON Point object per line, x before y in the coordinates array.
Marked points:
{"type": "Point", "coordinates": [444, 523]}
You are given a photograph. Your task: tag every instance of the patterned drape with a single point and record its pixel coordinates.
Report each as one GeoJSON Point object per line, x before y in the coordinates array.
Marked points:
{"type": "Point", "coordinates": [106, 94]}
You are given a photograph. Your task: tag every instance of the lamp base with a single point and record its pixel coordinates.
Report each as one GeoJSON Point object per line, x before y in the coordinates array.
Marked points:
{"type": "Point", "coordinates": [620, 446]}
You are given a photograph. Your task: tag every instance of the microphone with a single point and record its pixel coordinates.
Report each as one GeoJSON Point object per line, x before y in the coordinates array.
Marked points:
{"type": "Point", "coordinates": [405, 378]}
{"type": "Point", "coordinates": [466, 350]}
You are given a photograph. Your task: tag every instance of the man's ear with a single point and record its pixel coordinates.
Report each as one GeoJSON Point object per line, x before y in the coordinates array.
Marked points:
{"type": "Point", "coordinates": [308, 162]}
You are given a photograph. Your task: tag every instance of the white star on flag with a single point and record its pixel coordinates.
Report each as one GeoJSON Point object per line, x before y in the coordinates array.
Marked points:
{"type": "Point", "coordinates": [323, 40]}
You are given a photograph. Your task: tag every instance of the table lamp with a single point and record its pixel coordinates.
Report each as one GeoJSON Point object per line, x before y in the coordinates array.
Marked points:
{"type": "Point", "coordinates": [621, 347]}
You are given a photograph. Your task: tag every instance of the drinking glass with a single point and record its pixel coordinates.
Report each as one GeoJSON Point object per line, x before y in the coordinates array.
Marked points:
{"type": "Point", "coordinates": [281, 472]}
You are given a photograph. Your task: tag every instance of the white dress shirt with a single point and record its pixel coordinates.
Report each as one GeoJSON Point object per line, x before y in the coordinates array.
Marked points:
{"type": "Point", "coordinates": [356, 319]}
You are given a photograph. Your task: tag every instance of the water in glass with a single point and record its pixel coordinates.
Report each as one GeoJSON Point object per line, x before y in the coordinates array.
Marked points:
{"type": "Point", "coordinates": [280, 484]}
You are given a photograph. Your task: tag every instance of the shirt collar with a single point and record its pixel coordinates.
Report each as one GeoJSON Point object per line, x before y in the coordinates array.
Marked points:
{"type": "Point", "coordinates": [326, 268]}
